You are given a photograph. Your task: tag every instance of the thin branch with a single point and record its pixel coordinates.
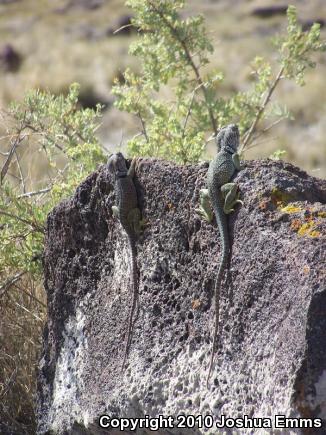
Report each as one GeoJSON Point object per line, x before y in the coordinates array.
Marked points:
{"type": "Point", "coordinates": [35, 192]}
{"type": "Point", "coordinates": [20, 172]}
{"type": "Point", "coordinates": [188, 114]}
{"type": "Point", "coordinates": [188, 55]}
{"type": "Point", "coordinates": [255, 144]}
{"type": "Point", "coordinates": [122, 28]}
{"type": "Point", "coordinates": [24, 221]}
{"type": "Point", "coordinates": [269, 127]}
{"type": "Point", "coordinates": [30, 295]}
{"type": "Point", "coordinates": [28, 311]}
{"type": "Point", "coordinates": [143, 126]}
{"type": "Point", "coordinates": [12, 150]}
{"type": "Point", "coordinates": [9, 282]}
{"type": "Point", "coordinates": [261, 109]}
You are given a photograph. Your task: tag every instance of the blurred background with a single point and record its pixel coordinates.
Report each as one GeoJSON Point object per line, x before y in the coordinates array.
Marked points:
{"type": "Point", "coordinates": [48, 45]}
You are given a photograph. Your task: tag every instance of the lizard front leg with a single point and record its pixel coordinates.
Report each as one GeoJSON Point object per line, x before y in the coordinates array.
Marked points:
{"type": "Point", "coordinates": [115, 211]}
{"type": "Point", "coordinates": [230, 194]}
{"type": "Point", "coordinates": [133, 167]}
{"type": "Point", "coordinates": [205, 209]}
{"type": "Point", "coordinates": [236, 161]}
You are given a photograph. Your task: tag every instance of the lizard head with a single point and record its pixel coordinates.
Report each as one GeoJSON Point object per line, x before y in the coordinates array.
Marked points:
{"type": "Point", "coordinates": [228, 138]}
{"type": "Point", "coordinates": [117, 165]}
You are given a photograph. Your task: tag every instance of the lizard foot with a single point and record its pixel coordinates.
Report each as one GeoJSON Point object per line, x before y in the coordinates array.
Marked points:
{"type": "Point", "coordinates": [205, 208]}
{"type": "Point", "coordinates": [230, 194]}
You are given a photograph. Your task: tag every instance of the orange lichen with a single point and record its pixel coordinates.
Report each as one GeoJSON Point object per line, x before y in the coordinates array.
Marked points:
{"type": "Point", "coordinates": [263, 205]}
{"type": "Point", "coordinates": [196, 304]}
{"type": "Point", "coordinates": [279, 198]}
{"type": "Point", "coordinates": [295, 224]}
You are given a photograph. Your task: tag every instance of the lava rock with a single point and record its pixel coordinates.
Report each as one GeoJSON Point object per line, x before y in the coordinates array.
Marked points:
{"type": "Point", "coordinates": [271, 355]}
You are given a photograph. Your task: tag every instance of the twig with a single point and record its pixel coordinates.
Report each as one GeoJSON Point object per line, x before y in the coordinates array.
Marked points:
{"type": "Point", "coordinates": [6, 165]}
{"type": "Point", "coordinates": [123, 27]}
{"type": "Point", "coordinates": [255, 144]}
{"type": "Point", "coordinates": [143, 126]}
{"type": "Point", "coordinates": [24, 221]}
{"type": "Point", "coordinates": [35, 192]}
{"type": "Point", "coordinates": [261, 109]}
{"type": "Point", "coordinates": [189, 110]}
{"type": "Point", "coordinates": [20, 172]}
{"type": "Point", "coordinates": [9, 282]}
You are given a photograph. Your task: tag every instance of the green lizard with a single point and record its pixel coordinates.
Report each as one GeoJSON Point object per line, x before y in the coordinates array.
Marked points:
{"type": "Point", "coordinates": [130, 218]}
{"type": "Point", "coordinates": [223, 196]}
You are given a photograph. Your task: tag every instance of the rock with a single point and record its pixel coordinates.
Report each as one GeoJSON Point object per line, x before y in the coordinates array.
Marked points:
{"type": "Point", "coordinates": [89, 98]}
{"type": "Point", "coordinates": [271, 355]}
{"type": "Point", "coordinates": [10, 59]}
{"type": "Point", "coordinates": [307, 24]}
{"type": "Point", "coordinates": [269, 11]}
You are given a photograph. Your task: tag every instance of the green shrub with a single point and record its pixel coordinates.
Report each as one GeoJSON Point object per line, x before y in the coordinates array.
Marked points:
{"type": "Point", "coordinates": [172, 52]}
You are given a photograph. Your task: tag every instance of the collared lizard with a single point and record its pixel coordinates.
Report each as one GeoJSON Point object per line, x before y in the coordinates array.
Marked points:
{"type": "Point", "coordinates": [223, 196]}
{"type": "Point", "coordinates": [127, 211]}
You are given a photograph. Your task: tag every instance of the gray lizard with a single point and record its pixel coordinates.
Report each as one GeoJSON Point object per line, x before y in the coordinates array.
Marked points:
{"type": "Point", "coordinates": [129, 215]}
{"type": "Point", "coordinates": [223, 196]}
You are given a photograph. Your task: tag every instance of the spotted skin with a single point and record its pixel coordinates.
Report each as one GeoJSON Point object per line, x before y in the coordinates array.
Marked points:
{"type": "Point", "coordinates": [223, 196]}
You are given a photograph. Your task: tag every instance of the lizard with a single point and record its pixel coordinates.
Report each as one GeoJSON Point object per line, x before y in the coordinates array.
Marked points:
{"type": "Point", "coordinates": [128, 213]}
{"type": "Point", "coordinates": [223, 195]}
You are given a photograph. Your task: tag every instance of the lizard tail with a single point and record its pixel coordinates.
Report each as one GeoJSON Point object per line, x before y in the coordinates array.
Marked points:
{"type": "Point", "coordinates": [221, 221]}
{"type": "Point", "coordinates": [134, 281]}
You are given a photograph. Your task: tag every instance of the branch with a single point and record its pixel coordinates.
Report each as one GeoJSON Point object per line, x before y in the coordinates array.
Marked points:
{"type": "Point", "coordinates": [24, 221]}
{"type": "Point", "coordinates": [11, 153]}
{"type": "Point", "coordinates": [188, 113]}
{"type": "Point", "coordinates": [182, 42]}
{"type": "Point", "coordinates": [143, 126]}
{"type": "Point", "coordinates": [9, 282]}
{"type": "Point", "coordinates": [20, 172]}
{"type": "Point", "coordinates": [34, 193]}
{"type": "Point", "coordinates": [261, 110]}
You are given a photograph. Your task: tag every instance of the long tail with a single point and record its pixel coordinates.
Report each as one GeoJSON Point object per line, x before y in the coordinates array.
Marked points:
{"type": "Point", "coordinates": [221, 221]}
{"type": "Point", "coordinates": [134, 280]}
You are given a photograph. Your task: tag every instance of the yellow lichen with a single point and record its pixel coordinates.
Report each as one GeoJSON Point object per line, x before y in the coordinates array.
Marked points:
{"type": "Point", "coordinates": [308, 229]}
{"type": "Point", "coordinates": [279, 198]}
{"type": "Point", "coordinates": [290, 208]}
{"type": "Point", "coordinates": [321, 214]}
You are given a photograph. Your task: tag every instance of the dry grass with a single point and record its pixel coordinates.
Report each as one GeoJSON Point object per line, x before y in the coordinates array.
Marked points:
{"type": "Point", "coordinates": [22, 311]}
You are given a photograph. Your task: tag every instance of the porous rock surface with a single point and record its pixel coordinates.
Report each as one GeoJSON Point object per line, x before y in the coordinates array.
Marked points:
{"type": "Point", "coordinates": [271, 356]}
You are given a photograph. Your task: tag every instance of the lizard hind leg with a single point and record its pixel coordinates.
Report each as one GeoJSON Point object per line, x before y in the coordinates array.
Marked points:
{"type": "Point", "coordinates": [230, 194]}
{"type": "Point", "coordinates": [135, 221]}
{"type": "Point", "coordinates": [205, 209]}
